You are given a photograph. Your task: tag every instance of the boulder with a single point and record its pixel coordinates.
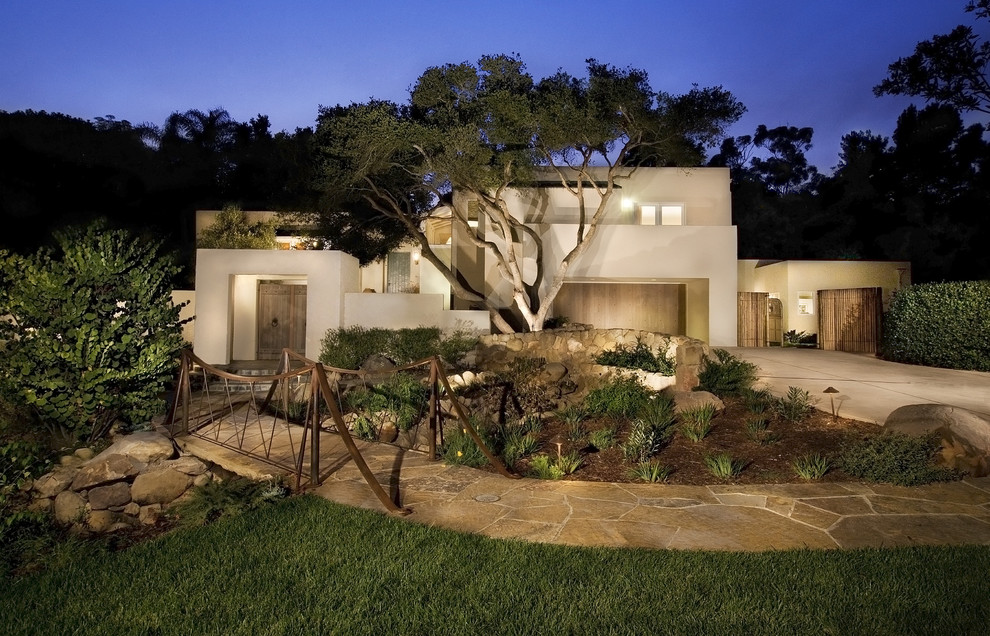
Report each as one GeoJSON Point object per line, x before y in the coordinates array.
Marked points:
{"type": "Point", "coordinates": [552, 372]}
{"type": "Point", "coordinates": [106, 468]}
{"type": "Point", "coordinates": [150, 514]}
{"type": "Point", "coordinates": [52, 483]}
{"type": "Point", "coordinates": [104, 497]}
{"type": "Point", "coordinates": [69, 507]}
{"type": "Point", "coordinates": [965, 435]}
{"type": "Point", "coordinates": [687, 400]}
{"type": "Point", "coordinates": [159, 486]}
{"type": "Point", "coordinates": [377, 364]}
{"type": "Point", "coordinates": [144, 446]}
{"type": "Point", "coordinates": [101, 520]}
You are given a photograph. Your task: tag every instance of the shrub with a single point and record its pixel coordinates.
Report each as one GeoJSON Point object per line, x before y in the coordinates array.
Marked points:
{"type": "Point", "coordinates": [517, 445]}
{"type": "Point", "coordinates": [638, 357]}
{"type": "Point", "coordinates": [896, 458]}
{"type": "Point", "coordinates": [231, 230]}
{"type": "Point", "coordinates": [459, 448]}
{"type": "Point", "coordinates": [545, 467]}
{"type": "Point", "coordinates": [724, 466]}
{"type": "Point", "coordinates": [757, 429]}
{"type": "Point", "coordinates": [218, 499]}
{"type": "Point", "coordinates": [603, 438]}
{"type": "Point", "coordinates": [796, 405]}
{"type": "Point", "coordinates": [90, 335]}
{"type": "Point", "coordinates": [812, 467]}
{"type": "Point", "coordinates": [652, 471]}
{"type": "Point", "coordinates": [696, 431]}
{"type": "Point", "coordinates": [939, 325]}
{"type": "Point", "coordinates": [402, 395]}
{"type": "Point", "coordinates": [617, 397]}
{"type": "Point", "coordinates": [726, 374]}
{"type": "Point", "coordinates": [643, 442]}
{"type": "Point", "coordinates": [348, 347]}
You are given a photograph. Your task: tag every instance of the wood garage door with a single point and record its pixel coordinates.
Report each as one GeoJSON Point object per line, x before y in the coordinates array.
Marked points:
{"type": "Point", "coordinates": [647, 306]}
{"type": "Point", "coordinates": [752, 319]}
{"type": "Point", "coordinates": [849, 319]}
{"type": "Point", "coordinates": [281, 319]}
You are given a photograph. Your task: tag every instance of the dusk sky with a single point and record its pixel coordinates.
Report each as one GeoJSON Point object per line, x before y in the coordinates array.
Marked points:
{"type": "Point", "coordinates": [790, 62]}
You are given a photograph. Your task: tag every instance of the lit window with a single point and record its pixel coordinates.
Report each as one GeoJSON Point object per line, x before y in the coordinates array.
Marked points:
{"type": "Point", "coordinates": [672, 215]}
{"type": "Point", "coordinates": [806, 303]}
{"type": "Point", "coordinates": [647, 215]}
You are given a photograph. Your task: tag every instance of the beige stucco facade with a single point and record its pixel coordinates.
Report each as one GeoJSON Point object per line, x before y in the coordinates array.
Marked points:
{"type": "Point", "coordinates": [794, 282]}
{"type": "Point", "coordinates": [631, 246]}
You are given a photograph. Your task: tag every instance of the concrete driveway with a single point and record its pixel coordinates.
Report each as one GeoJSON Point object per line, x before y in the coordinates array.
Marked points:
{"type": "Point", "coordinates": [869, 388]}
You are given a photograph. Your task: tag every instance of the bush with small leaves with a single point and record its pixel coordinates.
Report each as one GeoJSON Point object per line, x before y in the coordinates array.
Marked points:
{"type": "Point", "coordinates": [460, 448]}
{"type": "Point", "coordinates": [726, 375]}
{"type": "Point", "coordinates": [896, 458]}
{"type": "Point", "coordinates": [603, 438]}
{"type": "Point", "coordinates": [90, 334]}
{"type": "Point", "coordinates": [618, 397]}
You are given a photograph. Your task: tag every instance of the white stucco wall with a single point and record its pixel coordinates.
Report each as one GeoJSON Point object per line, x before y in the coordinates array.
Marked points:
{"type": "Point", "coordinates": [698, 256]}
{"type": "Point", "coordinates": [397, 311]}
{"type": "Point", "coordinates": [223, 280]}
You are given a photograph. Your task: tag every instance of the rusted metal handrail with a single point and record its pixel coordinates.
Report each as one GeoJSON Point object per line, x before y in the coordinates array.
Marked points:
{"type": "Point", "coordinates": [320, 391]}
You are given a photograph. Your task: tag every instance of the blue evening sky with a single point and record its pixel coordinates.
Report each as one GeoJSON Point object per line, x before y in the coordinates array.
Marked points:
{"type": "Point", "coordinates": [791, 62]}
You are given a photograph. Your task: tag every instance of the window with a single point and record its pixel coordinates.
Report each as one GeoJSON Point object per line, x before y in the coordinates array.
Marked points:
{"type": "Point", "coordinates": [660, 214]}
{"type": "Point", "coordinates": [672, 214]}
{"type": "Point", "coordinates": [806, 303]}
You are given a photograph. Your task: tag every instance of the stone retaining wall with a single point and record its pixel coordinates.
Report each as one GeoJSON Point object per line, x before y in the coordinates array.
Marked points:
{"type": "Point", "coordinates": [577, 346]}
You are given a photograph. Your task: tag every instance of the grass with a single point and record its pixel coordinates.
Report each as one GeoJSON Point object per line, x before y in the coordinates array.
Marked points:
{"type": "Point", "coordinates": [309, 566]}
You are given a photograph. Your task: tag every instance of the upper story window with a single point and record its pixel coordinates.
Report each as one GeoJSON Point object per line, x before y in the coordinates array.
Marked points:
{"type": "Point", "coordinates": [660, 214]}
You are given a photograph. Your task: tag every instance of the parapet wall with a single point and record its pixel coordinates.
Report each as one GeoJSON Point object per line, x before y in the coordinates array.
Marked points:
{"type": "Point", "coordinates": [577, 346]}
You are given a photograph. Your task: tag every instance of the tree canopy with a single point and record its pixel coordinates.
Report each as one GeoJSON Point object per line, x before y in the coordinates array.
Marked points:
{"type": "Point", "coordinates": [481, 129]}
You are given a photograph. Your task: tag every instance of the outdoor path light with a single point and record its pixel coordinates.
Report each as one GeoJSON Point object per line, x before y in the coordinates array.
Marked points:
{"type": "Point", "coordinates": [831, 392]}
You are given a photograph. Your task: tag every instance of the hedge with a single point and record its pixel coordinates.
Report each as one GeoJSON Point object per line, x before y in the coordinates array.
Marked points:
{"type": "Point", "coordinates": [939, 325]}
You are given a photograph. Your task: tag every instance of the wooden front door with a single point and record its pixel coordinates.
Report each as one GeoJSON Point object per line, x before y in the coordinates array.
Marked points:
{"type": "Point", "coordinates": [281, 319]}
{"type": "Point", "coordinates": [751, 318]}
{"type": "Point", "coordinates": [849, 319]}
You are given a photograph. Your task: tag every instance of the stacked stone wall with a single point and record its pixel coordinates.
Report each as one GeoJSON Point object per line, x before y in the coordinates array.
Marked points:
{"type": "Point", "coordinates": [577, 347]}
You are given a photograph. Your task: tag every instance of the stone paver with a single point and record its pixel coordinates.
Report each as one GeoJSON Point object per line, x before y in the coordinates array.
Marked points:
{"type": "Point", "coordinates": [718, 517]}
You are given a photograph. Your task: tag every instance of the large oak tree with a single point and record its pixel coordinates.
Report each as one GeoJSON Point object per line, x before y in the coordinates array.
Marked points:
{"type": "Point", "coordinates": [484, 129]}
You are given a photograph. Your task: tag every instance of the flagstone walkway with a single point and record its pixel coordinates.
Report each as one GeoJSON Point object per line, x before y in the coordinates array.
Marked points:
{"type": "Point", "coordinates": [723, 517]}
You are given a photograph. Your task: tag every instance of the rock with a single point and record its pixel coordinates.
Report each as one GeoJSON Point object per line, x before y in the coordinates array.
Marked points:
{"type": "Point", "coordinates": [159, 486]}
{"type": "Point", "coordinates": [150, 514]}
{"type": "Point", "coordinates": [187, 465]}
{"type": "Point", "coordinates": [52, 483]}
{"type": "Point", "coordinates": [687, 400]}
{"type": "Point", "coordinates": [552, 372]}
{"type": "Point", "coordinates": [105, 469]}
{"type": "Point", "coordinates": [388, 432]}
{"type": "Point", "coordinates": [202, 480]}
{"type": "Point", "coordinates": [965, 435]}
{"type": "Point", "coordinates": [84, 453]}
{"type": "Point", "coordinates": [69, 507]}
{"type": "Point", "coordinates": [144, 446]}
{"type": "Point", "coordinates": [104, 497]}
{"type": "Point", "coordinates": [69, 461]}
{"type": "Point", "coordinates": [101, 520]}
{"type": "Point", "coordinates": [132, 509]}
{"type": "Point", "coordinates": [377, 364]}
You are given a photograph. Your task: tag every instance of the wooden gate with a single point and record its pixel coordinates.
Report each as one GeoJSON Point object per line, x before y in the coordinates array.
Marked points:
{"type": "Point", "coordinates": [775, 322]}
{"type": "Point", "coordinates": [281, 319]}
{"type": "Point", "coordinates": [752, 319]}
{"type": "Point", "coordinates": [849, 319]}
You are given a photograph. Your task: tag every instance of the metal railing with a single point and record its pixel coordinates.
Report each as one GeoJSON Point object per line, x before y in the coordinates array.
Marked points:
{"type": "Point", "coordinates": [222, 412]}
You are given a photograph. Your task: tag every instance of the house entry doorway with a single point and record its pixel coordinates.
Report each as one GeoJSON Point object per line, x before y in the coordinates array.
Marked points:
{"type": "Point", "coordinates": [281, 319]}
{"type": "Point", "coordinates": [849, 319]}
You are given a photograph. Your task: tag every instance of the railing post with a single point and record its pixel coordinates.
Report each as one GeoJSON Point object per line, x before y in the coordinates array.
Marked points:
{"type": "Point", "coordinates": [434, 409]}
{"type": "Point", "coordinates": [314, 450]}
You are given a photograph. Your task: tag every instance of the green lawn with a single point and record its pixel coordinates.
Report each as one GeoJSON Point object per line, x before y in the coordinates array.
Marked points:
{"type": "Point", "coordinates": [308, 566]}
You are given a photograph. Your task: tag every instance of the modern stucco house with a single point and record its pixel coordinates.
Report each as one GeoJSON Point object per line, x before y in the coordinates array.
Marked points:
{"type": "Point", "coordinates": [664, 259]}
